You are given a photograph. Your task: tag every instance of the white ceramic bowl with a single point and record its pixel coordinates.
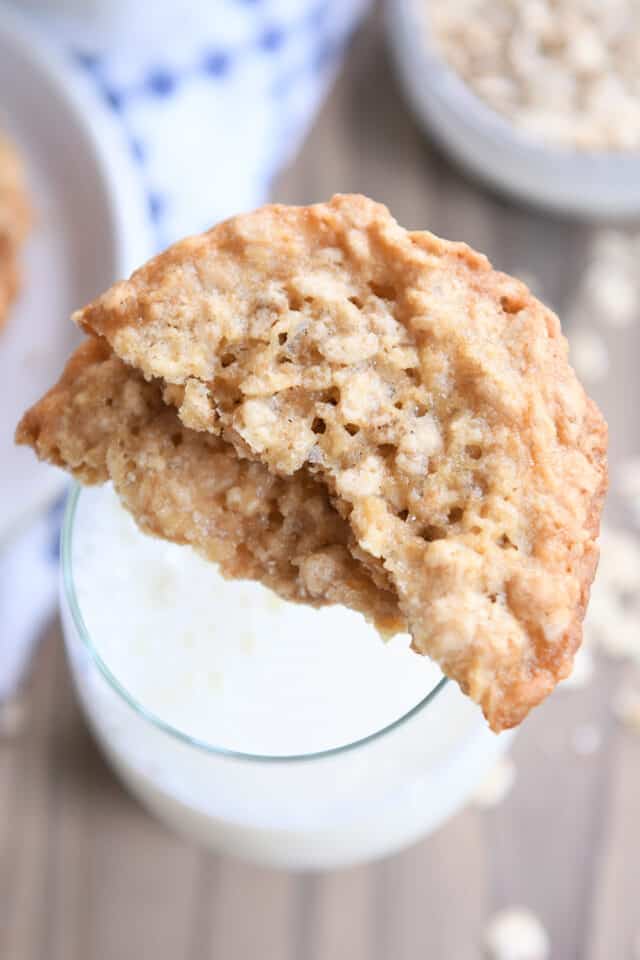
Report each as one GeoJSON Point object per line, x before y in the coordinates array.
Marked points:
{"type": "Point", "coordinates": [589, 185]}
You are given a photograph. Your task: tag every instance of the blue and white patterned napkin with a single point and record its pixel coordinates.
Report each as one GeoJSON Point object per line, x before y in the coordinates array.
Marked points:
{"type": "Point", "coordinates": [213, 98]}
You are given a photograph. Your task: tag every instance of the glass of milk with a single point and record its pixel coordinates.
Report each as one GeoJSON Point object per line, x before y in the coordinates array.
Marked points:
{"type": "Point", "coordinates": [266, 729]}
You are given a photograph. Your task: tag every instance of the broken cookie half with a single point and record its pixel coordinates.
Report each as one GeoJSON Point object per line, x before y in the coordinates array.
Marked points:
{"type": "Point", "coordinates": [351, 412]}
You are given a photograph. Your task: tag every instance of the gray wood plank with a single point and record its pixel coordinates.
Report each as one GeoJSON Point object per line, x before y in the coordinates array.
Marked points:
{"type": "Point", "coordinates": [613, 926]}
{"type": "Point", "coordinates": [23, 908]}
{"type": "Point", "coordinates": [342, 921]}
{"type": "Point", "coordinates": [544, 839]}
{"type": "Point", "coordinates": [250, 912]}
{"type": "Point", "coordinates": [431, 897]}
{"type": "Point", "coordinates": [141, 878]}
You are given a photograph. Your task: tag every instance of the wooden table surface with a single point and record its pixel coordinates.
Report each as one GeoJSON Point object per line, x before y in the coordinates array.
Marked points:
{"type": "Point", "coordinates": [86, 874]}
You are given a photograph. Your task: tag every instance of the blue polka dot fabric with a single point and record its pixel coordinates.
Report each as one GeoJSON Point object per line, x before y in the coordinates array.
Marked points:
{"type": "Point", "coordinates": [212, 99]}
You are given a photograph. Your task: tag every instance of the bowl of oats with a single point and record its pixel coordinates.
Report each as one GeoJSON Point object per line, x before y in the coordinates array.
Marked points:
{"type": "Point", "coordinates": [540, 100]}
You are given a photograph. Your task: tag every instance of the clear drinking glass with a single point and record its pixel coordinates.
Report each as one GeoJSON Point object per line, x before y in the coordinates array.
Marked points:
{"type": "Point", "coordinates": [310, 811]}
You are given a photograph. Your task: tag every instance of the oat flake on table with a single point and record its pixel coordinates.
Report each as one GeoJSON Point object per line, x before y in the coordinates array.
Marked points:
{"type": "Point", "coordinates": [613, 292]}
{"type": "Point", "coordinates": [516, 933]}
{"type": "Point", "coordinates": [589, 355]}
{"type": "Point", "coordinates": [586, 739]}
{"type": "Point", "coordinates": [609, 289]}
{"type": "Point", "coordinates": [612, 624]}
{"type": "Point", "coordinates": [497, 784]}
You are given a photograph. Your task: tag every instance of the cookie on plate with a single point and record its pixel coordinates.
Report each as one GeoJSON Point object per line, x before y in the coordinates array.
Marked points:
{"type": "Point", "coordinates": [15, 218]}
{"type": "Point", "coordinates": [429, 397]}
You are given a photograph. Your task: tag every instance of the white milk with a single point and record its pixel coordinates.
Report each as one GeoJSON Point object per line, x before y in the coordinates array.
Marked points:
{"type": "Point", "coordinates": [229, 662]}
{"type": "Point", "coordinates": [237, 669]}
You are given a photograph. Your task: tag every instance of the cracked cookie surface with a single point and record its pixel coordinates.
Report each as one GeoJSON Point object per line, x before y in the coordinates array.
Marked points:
{"type": "Point", "coordinates": [427, 394]}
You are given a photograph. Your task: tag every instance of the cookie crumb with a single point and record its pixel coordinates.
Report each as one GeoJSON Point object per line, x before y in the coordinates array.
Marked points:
{"type": "Point", "coordinates": [586, 739]}
{"type": "Point", "coordinates": [495, 786]}
{"type": "Point", "coordinates": [612, 291]}
{"type": "Point", "coordinates": [516, 934]}
{"type": "Point", "coordinates": [589, 354]}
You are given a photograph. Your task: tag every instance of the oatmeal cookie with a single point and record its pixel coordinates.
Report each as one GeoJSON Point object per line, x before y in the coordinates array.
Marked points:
{"type": "Point", "coordinates": [429, 395]}
{"type": "Point", "coordinates": [15, 218]}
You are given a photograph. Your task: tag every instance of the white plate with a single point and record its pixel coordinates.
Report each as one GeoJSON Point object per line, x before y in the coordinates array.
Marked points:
{"type": "Point", "coordinates": [90, 229]}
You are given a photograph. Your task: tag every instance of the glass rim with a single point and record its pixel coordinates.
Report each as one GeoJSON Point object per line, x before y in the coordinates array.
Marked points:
{"type": "Point", "coordinates": [68, 584]}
